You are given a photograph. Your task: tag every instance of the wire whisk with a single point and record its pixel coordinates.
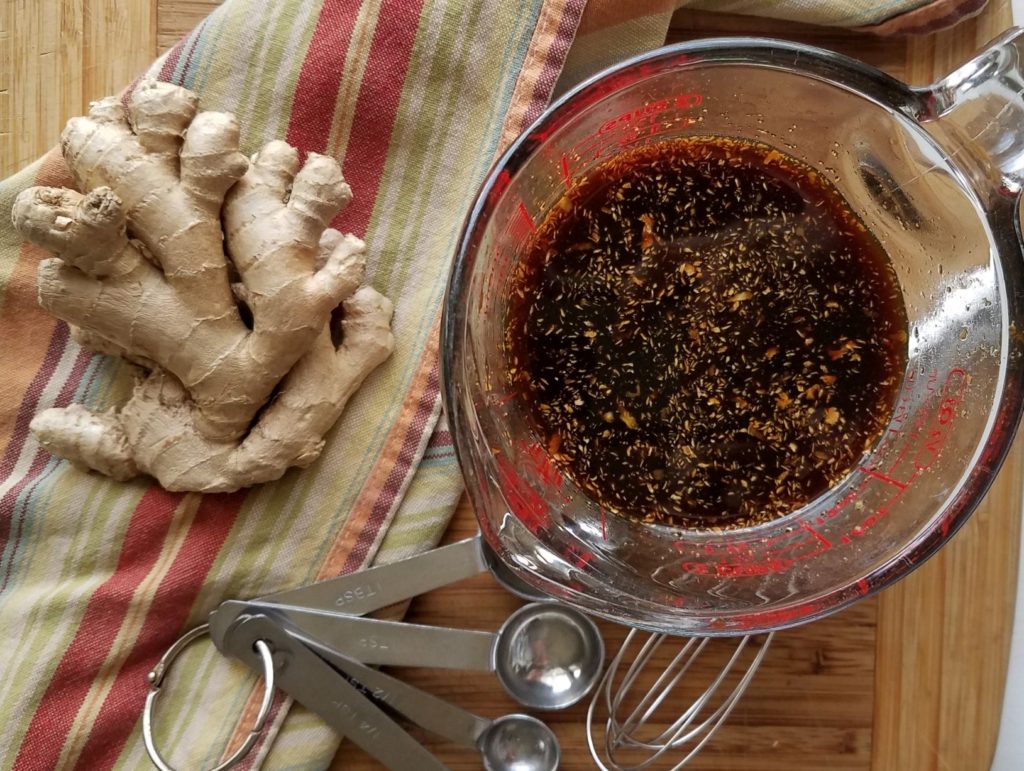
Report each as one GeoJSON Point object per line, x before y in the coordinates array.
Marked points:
{"type": "Point", "coordinates": [633, 736]}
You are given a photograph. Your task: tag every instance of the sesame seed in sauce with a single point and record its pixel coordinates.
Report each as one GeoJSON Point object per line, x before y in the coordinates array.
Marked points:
{"type": "Point", "coordinates": [704, 334]}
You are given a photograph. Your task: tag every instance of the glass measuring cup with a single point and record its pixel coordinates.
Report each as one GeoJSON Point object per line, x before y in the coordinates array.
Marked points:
{"type": "Point", "coordinates": [935, 174]}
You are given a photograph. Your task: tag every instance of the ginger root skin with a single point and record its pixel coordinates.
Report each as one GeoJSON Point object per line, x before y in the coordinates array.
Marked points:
{"type": "Point", "coordinates": [218, 276]}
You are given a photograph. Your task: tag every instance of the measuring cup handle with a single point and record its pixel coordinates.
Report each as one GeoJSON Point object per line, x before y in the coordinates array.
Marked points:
{"type": "Point", "coordinates": [977, 113]}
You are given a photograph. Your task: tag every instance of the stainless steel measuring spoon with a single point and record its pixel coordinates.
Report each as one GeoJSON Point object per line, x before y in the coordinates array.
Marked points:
{"type": "Point", "coordinates": [347, 596]}
{"type": "Point", "coordinates": [371, 589]}
{"type": "Point", "coordinates": [365, 591]}
{"type": "Point", "coordinates": [546, 656]}
{"type": "Point", "coordinates": [509, 743]}
{"type": "Point", "coordinates": [312, 682]}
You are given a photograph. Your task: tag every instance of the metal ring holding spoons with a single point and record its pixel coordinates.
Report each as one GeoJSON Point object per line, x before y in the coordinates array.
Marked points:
{"type": "Point", "coordinates": [156, 679]}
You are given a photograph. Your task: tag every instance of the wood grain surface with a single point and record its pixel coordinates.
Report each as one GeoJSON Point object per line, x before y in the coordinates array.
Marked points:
{"type": "Point", "coordinates": [909, 681]}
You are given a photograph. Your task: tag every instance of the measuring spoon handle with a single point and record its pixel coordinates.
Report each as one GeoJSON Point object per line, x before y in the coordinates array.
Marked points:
{"type": "Point", "coordinates": [374, 588]}
{"type": "Point", "coordinates": [434, 714]}
{"type": "Point", "coordinates": [316, 685]}
{"type": "Point", "coordinates": [373, 641]}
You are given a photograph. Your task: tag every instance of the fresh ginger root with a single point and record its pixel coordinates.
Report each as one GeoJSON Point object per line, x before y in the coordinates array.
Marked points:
{"type": "Point", "coordinates": [177, 234]}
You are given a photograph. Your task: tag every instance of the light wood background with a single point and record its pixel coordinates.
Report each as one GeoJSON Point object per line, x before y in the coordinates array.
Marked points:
{"type": "Point", "coordinates": [909, 681]}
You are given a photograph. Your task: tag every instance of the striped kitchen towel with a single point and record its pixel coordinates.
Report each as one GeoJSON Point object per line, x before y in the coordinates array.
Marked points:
{"type": "Point", "coordinates": [97, 578]}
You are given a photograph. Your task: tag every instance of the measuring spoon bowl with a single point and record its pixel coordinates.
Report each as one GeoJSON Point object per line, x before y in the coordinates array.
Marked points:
{"type": "Point", "coordinates": [511, 743]}
{"type": "Point", "coordinates": [548, 656]}
{"type": "Point", "coordinates": [519, 743]}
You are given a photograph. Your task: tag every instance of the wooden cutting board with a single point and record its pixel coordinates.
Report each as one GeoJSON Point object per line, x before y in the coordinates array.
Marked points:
{"type": "Point", "coordinates": [909, 681]}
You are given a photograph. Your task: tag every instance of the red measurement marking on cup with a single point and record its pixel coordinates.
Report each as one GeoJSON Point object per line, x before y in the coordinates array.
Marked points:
{"type": "Point", "coordinates": [525, 216]}
{"type": "Point", "coordinates": [564, 167]}
{"type": "Point", "coordinates": [501, 183]}
{"type": "Point", "coordinates": [924, 440]}
{"type": "Point", "coordinates": [538, 465]}
{"type": "Point", "coordinates": [637, 114]}
{"type": "Point", "coordinates": [883, 478]}
{"type": "Point", "coordinates": [496, 276]}
{"type": "Point", "coordinates": [630, 127]}
{"type": "Point", "coordinates": [526, 503]}
{"type": "Point", "coordinates": [518, 227]}
{"type": "Point", "coordinates": [577, 556]}
{"type": "Point", "coordinates": [902, 409]}
{"type": "Point", "coordinates": [543, 465]}
{"type": "Point", "coordinates": [542, 135]}
{"type": "Point", "coordinates": [771, 618]}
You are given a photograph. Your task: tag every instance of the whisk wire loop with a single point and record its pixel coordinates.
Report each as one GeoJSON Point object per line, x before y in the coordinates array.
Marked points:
{"type": "Point", "coordinates": [690, 731]}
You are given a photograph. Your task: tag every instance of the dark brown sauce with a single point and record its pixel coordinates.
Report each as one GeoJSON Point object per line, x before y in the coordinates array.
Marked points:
{"type": "Point", "coordinates": [705, 335]}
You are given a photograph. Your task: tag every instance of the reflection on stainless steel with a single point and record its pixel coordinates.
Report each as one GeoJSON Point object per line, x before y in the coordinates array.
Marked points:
{"type": "Point", "coordinates": [519, 743]}
{"type": "Point", "coordinates": [548, 656]}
